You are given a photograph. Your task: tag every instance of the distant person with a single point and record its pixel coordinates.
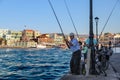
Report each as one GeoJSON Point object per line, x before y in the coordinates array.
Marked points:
{"type": "Point", "coordinates": [91, 56]}
{"type": "Point", "coordinates": [94, 42]}
{"type": "Point", "coordinates": [85, 51]}
{"type": "Point", "coordinates": [76, 55]}
{"type": "Point", "coordinates": [110, 51]}
{"type": "Point", "coordinates": [110, 43]}
{"type": "Point", "coordinates": [80, 45]}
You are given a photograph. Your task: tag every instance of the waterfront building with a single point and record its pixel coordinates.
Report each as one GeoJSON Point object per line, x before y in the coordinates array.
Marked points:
{"type": "Point", "coordinates": [3, 32]}
{"type": "Point", "coordinates": [12, 37]}
{"type": "Point", "coordinates": [30, 34]}
{"type": "Point", "coordinates": [106, 38]}
{"type": "Point", "coordinates": [9, 40]}
{"type": "Point", "coordinates": [28, 39]}
{"type": "Point", "coordinates": [58, 38]}
{"type": "Point", "coordinates": [16, 35]}
{"type": "Point", "coordinates": [36, 34]}
{"type": "Point", "coordinates": [25, 44]}
{"type": "Point", "coordinates": [7, 37]}
{"type": "Point", "coordinates": [117, 39]}
{"type": "Point", "coordinates": [45, 38]}
{"type": "Point", "coordinates": [27, 35]}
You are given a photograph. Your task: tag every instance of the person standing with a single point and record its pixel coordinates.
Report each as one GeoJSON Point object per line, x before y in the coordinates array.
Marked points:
{"type": "Point", "coordinates": [85, 51]}
{"type": "Point", "coordinates": [91, 56]}
{"type": "Point", "coordinates": [94, 42]}
{"type": "Point", "coordinates": [76, 55]}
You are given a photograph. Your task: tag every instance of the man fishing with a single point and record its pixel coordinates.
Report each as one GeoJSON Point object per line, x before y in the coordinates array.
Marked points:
{"type": "Point", "coordinates": [76, 55]}
{"type": "Point", "coordinates": [73, 44]}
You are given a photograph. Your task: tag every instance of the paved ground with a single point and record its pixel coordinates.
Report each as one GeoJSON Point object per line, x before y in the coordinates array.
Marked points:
{"type": "Point", "coordinates": [113, 72]}
{"type": "Point", "coordinates": [115, 63]}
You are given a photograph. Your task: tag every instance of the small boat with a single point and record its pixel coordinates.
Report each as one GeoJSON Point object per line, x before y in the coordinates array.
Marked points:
{"type": "Point", "coordinates": [41, 46]}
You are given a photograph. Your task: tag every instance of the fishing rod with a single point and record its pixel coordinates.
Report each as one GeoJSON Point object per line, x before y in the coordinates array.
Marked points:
{"type": "Point", "coordinates": [108, 18]}
{"type": "Point", "coordinates": [71, 18]}
{"type": "Point", "coordinates": [58, 22]}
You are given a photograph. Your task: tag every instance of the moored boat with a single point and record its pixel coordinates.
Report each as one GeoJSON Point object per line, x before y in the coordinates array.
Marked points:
{"type": "Point", "coordinates": [41, 46]}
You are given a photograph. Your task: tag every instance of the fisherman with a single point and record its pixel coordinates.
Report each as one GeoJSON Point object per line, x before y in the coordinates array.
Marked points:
{"type": "Point", "coordinates": [76, 55]}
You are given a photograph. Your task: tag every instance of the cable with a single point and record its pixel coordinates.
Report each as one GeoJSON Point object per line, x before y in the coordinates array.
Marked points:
{"type": "Point", "coordinates": [71, 17]}
{"type": "Point", "coordinates": [108, 18]}
{"type": "Point", "coordinates": [57, 21]}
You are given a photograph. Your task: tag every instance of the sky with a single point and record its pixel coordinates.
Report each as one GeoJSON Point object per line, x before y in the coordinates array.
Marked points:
{"type": "Point", "coordinates": [38, 15]}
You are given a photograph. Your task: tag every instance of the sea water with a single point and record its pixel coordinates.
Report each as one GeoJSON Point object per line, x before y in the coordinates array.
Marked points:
{"type": "Point", "coordinates": [34, 64]}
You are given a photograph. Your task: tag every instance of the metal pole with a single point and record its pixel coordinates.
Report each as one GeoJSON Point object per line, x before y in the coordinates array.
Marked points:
{"type": "Point", "coordinates": [91, 45]}
{"type": "Point", "coordinates": [58, 21]}
{"type": "Point", "coordinates": [96, 20]}
{"type": "Point", "coordinates": [97, 30]}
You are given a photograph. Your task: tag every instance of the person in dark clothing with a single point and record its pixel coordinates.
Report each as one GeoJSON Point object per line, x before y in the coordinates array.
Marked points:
{"type": "Point", "coordinates": [76, 55]}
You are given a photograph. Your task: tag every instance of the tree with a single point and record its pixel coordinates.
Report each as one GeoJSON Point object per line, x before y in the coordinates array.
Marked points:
{"type": "Point", "coordinates": [1, 39]}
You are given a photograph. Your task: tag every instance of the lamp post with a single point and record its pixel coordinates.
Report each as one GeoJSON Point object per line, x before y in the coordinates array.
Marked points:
{"type": "Point", "coordinates": [91, 44]}
{"type": "Point", "coordinates": [96, 20]}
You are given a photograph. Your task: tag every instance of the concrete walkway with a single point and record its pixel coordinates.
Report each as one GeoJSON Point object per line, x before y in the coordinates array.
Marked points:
{"type": "Point", "coordinates": [115, 62]}
{"type": "Point", "coordinates": [111, 74]}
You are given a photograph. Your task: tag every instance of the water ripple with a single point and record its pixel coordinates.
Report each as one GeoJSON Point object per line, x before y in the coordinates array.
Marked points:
{"type": "Point", "coordinates": [37, 64]}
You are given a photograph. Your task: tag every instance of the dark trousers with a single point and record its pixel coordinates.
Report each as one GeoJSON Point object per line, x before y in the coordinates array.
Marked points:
{"type": "Point", "coordinates": [75, 62]}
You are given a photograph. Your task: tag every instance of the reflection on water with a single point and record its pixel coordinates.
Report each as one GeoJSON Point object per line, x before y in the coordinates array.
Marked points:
{"type": "Point", "coordinates": [44, 64]}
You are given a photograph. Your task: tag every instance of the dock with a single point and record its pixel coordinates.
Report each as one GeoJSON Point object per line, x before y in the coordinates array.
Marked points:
{"type": "Point", "coordinates": [113, 72]}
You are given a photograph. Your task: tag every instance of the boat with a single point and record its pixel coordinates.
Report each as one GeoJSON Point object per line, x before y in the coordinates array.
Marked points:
{"type": "Point", "coordinates": [41, 46]}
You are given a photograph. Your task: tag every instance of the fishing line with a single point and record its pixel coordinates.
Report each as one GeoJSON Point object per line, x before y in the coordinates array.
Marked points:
{"type": "Point", "coordinates": [71, 18]}
{"type": "Point", "coordinates": [108, 18]}
{"type": "Point", "coordinates": [57, 21]}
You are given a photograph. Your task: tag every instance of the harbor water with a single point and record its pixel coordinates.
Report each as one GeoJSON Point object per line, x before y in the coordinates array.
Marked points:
{"type": "Point", "coordinates": [34, 64]}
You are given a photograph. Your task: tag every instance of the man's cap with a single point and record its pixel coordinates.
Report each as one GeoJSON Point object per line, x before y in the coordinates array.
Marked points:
{"type": "Point", "coordinates": [71, 34]}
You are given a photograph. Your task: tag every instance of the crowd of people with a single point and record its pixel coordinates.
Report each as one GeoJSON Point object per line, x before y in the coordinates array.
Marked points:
{"type": "Point", "coordinates": [80, 51]}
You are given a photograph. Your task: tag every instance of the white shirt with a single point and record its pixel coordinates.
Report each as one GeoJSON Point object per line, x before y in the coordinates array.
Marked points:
{"type": "Point", "coordinates": [75, 46]}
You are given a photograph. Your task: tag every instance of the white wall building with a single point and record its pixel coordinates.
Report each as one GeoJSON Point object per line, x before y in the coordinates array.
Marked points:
{"type": "Point", "coordinates": [117, 38]}
{"type": "Point", "coordinates": [36, 33]}
{"type": "Point", "coordinates": [3, 32]}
